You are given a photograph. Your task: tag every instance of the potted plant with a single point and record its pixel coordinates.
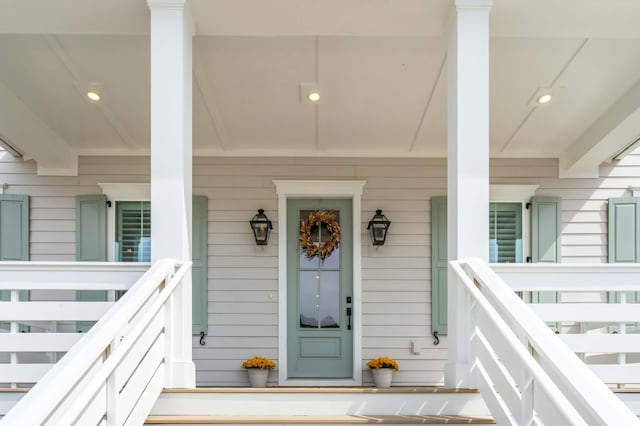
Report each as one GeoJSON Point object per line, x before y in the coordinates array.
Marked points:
{"type": "Point", "coordinates": [258, 370]}
{"type": "Point", "coordinates": [382, 369]}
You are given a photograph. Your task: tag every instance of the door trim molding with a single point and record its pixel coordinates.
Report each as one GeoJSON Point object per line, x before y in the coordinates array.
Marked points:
{"type": "Point", "coordinates": [351, 189]}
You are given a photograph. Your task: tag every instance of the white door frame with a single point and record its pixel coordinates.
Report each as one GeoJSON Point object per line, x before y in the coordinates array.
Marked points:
{"type": "Point", "coordinates": [319, 189]}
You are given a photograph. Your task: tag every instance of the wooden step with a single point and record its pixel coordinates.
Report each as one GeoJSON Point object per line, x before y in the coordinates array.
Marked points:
{"type": "Point", "coordinates": [319, 420]}
{"type": "Point", "coordinates": [354, 404]}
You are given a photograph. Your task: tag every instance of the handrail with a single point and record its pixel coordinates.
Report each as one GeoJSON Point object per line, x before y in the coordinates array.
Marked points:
{"type": "Point", "coordinates": [557, 370]}
{"type": "Point", "coordinates": [89, 365]}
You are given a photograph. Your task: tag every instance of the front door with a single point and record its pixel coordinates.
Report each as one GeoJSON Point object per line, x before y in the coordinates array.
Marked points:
{"type": "Point", "coordinates": [319, 295]}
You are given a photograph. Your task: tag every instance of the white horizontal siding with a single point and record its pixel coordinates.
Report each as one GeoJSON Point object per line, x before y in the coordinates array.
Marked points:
{"type": "Point", "coordinates": [243, 287]}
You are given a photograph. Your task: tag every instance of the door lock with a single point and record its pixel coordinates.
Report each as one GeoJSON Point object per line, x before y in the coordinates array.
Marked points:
{"type": "Point", "coordinates": [349, 318]}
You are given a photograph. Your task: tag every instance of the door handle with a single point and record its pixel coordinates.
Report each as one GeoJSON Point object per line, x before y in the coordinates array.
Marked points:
{"type": "Point", "coordinates": [349, 318]}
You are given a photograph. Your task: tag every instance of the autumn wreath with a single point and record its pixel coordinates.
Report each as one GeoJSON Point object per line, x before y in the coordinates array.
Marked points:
{"type": "Point", "coordinates": [313, 221]}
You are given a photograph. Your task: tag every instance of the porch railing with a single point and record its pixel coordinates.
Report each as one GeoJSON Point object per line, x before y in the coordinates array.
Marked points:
{"type": "Point", "coordinates": [596, 313]}
{"type": "Point", "coordinates": [38, 311]}
{"type": "Point", "coordinates": [116, 372]}
{"type": "Point", "coordinates": [525, 373]}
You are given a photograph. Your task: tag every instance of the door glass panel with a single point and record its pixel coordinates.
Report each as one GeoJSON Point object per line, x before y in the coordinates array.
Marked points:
{"type": "Point", "coordinates": [333, 260]}
{"type": "Point", "coordinates": [319, 283]}
{"type": "Point", "coordinates": [330, 299]}
{"type": "Point", "coordinates": [308, 299]}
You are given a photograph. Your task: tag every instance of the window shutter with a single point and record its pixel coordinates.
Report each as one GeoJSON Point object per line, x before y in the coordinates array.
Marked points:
{"type": "Point", "coordinates": [439, 264]}
{"type": "Point", "coordinates": [91, 228]}
{"type": "Point", "coordinates": [624, 236]}
{"type": "Point", "coordinates": [623, 230]}
{"type": "Point", "coordinates": [14, 237]}
{"type": "Point", "coordinates": [91, 242]}
{"type": "Point", "coordinates": [545, 229]}
{"type": "Point", "coordinates": [200, 255]}
{"type": "Point", "coordinates": [14, 227]}
{"type": "Point", "coordinates": [545, 241]}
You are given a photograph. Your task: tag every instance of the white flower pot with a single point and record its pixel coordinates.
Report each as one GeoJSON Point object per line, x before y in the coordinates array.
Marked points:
{"type": "Point", "coordinates": [258, 377]}
{"type": "Point", "coordinates": [382, 377]}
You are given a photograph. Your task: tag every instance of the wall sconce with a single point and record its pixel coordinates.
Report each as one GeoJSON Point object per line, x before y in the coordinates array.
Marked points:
{"type": "Point", "coordinates": [261, 227]}
{"type": "Point", "coordinates": [378, 227]}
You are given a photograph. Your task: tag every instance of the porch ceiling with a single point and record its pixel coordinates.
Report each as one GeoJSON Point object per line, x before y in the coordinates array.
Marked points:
{"type": "Point", "coordinates": [379, 64]}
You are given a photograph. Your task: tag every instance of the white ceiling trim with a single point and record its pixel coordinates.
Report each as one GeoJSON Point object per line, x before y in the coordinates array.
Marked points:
{"type": "Point", "coordinates": [609, 134]}
{"type": "Point", "coordinates": [27, 131]}
{"type": "Point", "coordinates": [82, 85]}
{"type": "Point", "coordinates": [429, 100]}
{"type": "Point", "coordinates": [213, 112]}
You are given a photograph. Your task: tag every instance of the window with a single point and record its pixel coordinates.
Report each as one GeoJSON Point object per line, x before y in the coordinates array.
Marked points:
{"type": "Point", "coordinates": [133, 231]}
{"type": "Point", "coordinates": [505, 233]}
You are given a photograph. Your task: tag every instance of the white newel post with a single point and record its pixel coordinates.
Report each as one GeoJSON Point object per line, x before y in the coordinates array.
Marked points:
{"type": "Point", "coordinates": [468, 167]}
{"type": "Point", "coordinates": [171, 181]}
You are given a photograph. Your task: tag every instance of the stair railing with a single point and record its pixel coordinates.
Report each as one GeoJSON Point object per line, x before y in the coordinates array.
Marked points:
{"type": "Point", "coordinates": [525, 373]}
{"type": "Point", "coordinates": [115, 373]}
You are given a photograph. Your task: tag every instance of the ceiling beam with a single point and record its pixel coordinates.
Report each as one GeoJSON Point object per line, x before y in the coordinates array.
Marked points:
{"type": "Point", "coordinates": [608, 135]}
{"type": "Point", "coordinates": [24, 130]}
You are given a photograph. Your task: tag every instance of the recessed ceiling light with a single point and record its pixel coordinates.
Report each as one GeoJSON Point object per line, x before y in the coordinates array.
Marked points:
{"type": "Point", "coordinates": [94, 96]}
{"type": "Point", "coordinates": [543, 99]}
{"type": "Point", "coordinates": [313, 96]}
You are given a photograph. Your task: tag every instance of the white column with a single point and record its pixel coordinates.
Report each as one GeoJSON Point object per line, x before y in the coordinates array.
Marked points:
{"type": "Point", "coordinates": [468, 166]}
{"type": "Point", "coordinates": [171, 157]}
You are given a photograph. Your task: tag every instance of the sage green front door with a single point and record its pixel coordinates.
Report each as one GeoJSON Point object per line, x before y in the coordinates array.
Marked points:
{"type": "Point", "coordinates": [319, 295]}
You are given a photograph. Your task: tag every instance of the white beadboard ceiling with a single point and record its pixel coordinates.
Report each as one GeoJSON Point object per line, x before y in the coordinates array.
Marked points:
{"type": "Point", "coordinates": [380, 66]}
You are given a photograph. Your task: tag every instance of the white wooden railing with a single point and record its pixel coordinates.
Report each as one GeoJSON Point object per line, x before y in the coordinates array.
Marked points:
{"type": "Point", "coordinates": [115, 373]}
{"type": "Point", "coordinates": [594, 314]}
{"type": "Point", "coordinates": [40, 315]}
{"type": "Point", "coordinates": [525, 373]}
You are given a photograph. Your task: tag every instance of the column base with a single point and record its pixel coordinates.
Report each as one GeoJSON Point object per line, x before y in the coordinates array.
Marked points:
{"type": "Point", "coordinates": [181, 375]}
{"type": "Point", "coordinates": [456, 375]}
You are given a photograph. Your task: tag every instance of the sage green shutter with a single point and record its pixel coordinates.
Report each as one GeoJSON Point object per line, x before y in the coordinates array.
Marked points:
{"type": "Point", "coordinates": [199, 256]}
{"type": "Point", "coordinates": [545, 241]}
{"type": "Point", "coordinates": [439, 264]}
{"type": "Point", "coordinates": [624, 238]}
{"type": "Point", "coordinates": [545, 229]}
{"type": "Point", "coordinates": [91, 228]}
{"type": "Point", "coordinates": [624, 232]}
{"type": "Point", "coordinates": [14, 227]}
{"type": "Point", "coordinates": [14, 237]}
{"type": "Point", "coordinates": [91, 242]}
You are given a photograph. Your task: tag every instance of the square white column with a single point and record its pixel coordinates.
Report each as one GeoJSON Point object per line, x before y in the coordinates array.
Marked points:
{"type": "Point", "coordinates": [467, 167]}
{"type": "Point", "coordinates": [171, 168]}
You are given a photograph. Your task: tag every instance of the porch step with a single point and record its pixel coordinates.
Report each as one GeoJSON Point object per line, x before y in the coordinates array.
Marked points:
{"type": "Point", "coordinates": [9, 397]}
{"type": "Point", "coordinates": [318, 420]}
{"type": "Point", "coordinates": [320, 405]}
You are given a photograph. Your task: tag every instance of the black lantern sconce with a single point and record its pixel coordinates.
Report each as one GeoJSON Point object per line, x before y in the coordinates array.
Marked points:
{"type": "Point", "coordinates": [261, 227]}
{"type": "Point", "coordinates": [378, 227]}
